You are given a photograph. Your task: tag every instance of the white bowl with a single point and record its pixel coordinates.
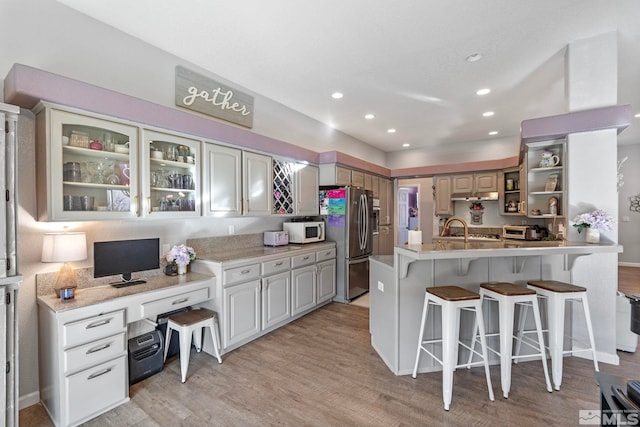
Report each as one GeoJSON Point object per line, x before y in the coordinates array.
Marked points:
{"type": "Point", "coordinates": [121, 149]}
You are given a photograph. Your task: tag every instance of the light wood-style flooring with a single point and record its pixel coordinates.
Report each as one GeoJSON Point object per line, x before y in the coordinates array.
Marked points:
{"type": "Point", "coordinates": [322, 371]}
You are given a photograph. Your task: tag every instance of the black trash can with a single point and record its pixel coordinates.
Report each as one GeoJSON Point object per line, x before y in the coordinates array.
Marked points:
{"type": "Point", "coordinates": [635, 313]}
{"type": "Point", "coordinates": [174, 345]}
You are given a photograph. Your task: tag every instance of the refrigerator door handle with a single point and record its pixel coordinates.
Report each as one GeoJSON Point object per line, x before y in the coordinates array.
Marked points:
{"type": "Point", "coordinates": [365, 222]}
{"type": "Point", "coordinates": [358, 261]}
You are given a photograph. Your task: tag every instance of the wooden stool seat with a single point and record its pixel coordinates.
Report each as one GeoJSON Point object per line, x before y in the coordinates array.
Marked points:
{"type": "Point", "coordinates": [453, 293]}
{"type": "Point", "coordinates": [190, 325]}
{"type": "Point", "coordinates": [555, 286]}
{"type": "Point", "coordinates": [452, 300]}
{"type": "Point", "coordinates": [507, 289]}
{"type": "Point", "coordinates": [188, 318]}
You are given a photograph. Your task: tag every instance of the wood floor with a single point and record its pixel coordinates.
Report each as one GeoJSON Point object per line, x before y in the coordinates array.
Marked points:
{"type": "Point", "coordinates": [321, 371]}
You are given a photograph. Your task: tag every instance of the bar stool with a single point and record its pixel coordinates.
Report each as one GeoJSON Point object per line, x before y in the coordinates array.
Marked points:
{"type": "Point", "coordinates": [188, 324]}
{"type": "Point", "coordinates": [557, 294]}
{"type": "Point", "coordinates": [507, 295]}
{"type": "Point", "coordinates": [452, 299]}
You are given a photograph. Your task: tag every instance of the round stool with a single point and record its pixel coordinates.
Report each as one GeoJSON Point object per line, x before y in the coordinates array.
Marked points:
{"type": "Point", "coordinates": [452, 299]}
{"type": "Point", "coordinates": [557, 294]}
{"type": "Point", "coordinates": [188, 324]}
{"type": "Point", "coordinates": [507, 295]}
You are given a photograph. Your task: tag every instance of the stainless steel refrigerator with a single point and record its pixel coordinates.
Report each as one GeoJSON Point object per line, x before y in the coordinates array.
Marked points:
{"type": "Point", "coordinates": [348, 213]}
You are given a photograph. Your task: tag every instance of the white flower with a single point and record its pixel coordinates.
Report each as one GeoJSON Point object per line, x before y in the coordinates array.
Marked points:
{"type": "Point", "coordinates": [181, 255]}
{"type": "Point", "coordinates": [597, 220]}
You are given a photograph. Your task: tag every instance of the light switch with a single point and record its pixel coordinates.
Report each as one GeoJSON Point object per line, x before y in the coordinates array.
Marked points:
{"type": "Point", "coordinates": [232, 229]}
{"type": "Point", "coordinates": [625, 219]}
{"type": "Point", "coordinates": [380, 286]}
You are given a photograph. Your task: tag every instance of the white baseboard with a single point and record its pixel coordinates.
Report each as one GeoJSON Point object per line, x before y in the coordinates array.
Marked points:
{"type": "Point", "coordinates": [29, 399]}
{"type": "Point", "coordinates": [629, 264]}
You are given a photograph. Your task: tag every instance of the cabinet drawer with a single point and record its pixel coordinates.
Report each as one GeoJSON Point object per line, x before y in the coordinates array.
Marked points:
{"type": "Point", "coordinates": [92, 328]}
{"type": "Point", "coordinates": [164, 305]}
{"type": "Point", "coordinates": [86, 355]}
{"type": "Point", "coordinates": [304, 259]}
{"type": "Point", "coordinates": [241, 274]}
{"type": "Point", "coordinates": [276, 266]}
{"type": "Point", "coordinates": [326, 254]}
{"type": "Point", "coordinates": [89, 392]}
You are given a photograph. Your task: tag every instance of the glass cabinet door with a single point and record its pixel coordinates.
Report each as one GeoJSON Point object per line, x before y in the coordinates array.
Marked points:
{"type": "Point", "coordinates": [170, 175]}
{"type": "Point", "coordinates": [91, 168]}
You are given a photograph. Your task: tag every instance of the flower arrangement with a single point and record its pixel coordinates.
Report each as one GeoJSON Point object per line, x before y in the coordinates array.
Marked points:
{"type": "Point", "coordinates": [596, 220]}
{"type": "Point", "coordinates": [181, 255]}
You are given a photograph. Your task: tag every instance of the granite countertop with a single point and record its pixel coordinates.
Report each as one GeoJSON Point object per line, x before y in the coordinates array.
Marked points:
{"type": "Point", "coordinates": [260, 251]}
{"type": "Point", "coordinates": [85, 296]}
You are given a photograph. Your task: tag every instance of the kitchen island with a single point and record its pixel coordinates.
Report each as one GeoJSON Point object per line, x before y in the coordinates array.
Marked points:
{"type": "Point", "coordinates": [398, 282]}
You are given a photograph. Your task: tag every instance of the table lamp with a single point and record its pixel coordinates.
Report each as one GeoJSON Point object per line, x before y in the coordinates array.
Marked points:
{"type": "Point", "coordinates": [66, 248]}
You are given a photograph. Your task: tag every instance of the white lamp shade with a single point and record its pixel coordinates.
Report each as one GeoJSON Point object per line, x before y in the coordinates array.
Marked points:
{"type": "Point", "coordinates": [64, 247]}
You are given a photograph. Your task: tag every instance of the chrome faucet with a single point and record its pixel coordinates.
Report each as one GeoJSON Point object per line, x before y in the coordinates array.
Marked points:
{"type": "Point", "coordinates": [464, 225]}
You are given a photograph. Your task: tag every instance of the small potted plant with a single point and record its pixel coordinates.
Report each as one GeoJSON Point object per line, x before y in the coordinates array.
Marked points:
{"type": "Point", "coordinates": [593, 222]}
{"type": "Point", "coordinates": [181, 256]}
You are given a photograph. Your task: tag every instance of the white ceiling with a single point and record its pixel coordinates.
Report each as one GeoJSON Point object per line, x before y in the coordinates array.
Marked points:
{"type": "Point", "coordinates": [402, 60]}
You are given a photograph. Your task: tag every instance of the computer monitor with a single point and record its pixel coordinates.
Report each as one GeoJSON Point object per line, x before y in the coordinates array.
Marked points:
{"type": "Point", "coordinates": [125, 257]}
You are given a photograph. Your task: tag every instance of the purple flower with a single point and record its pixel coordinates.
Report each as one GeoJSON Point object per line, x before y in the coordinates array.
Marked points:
{"type": "Point", "coordinates": [597, 220]}
{"type": "Point", "coordinates": [181, 255]}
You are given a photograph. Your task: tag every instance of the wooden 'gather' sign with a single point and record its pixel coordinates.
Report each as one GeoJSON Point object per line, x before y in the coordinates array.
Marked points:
{"type": "Point", "coordinates": [204, 95]}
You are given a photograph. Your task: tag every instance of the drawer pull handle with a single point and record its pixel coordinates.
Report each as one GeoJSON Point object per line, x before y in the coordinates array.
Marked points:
{"type": "Point", "coordinates": [328, 253]}
{"type": "Point", "coordinates": [99, 348]}
{"type": "Point", "coordinates": [245, 271]}
{"type": "Point", "coordinates": [99, 373]}
{"type": "Point", "coordinates": [180, 301]}
{"type": "Point", "coordinates": [99, 323]}
{"type": "Point", "coordinates": [306, 258]}
{"type": "Point", "coordinates": [279, 263]}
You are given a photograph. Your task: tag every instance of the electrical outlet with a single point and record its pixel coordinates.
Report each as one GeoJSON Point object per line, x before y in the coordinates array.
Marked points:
{"type": "Point", "coordinates": [380, 286]}
{"type": "Point", "coordinates": [232, 229]}
{"type": "Point", "coordinates": [625, 219]}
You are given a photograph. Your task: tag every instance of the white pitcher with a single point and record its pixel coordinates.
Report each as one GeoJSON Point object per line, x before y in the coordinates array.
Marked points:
{"type": "Point", "coordinates": [548, 159]}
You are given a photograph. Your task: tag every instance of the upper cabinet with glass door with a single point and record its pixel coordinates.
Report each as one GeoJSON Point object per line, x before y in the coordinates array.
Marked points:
{"type": "Point", "coordinates": [86, 166]}
{"type": "Point", "coordinates": [170, 175]}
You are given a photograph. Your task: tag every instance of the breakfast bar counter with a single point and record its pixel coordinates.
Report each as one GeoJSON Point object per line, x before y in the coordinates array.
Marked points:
{"type": "Point", "coordinates": [397, 286]}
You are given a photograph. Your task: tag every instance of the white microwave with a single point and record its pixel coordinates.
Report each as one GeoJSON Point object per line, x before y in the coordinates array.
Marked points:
{"type": "Point", "coordinates": [304, 232]}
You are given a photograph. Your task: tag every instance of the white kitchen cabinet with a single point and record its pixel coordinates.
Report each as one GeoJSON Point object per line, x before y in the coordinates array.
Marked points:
{"type": "Point", "coordinates": [462, 183]}
{"type": "Point", "coordinates": [326, 272]}
{"type": "Point", "coordinates": [276, 299]}
{"type": "Point", "coordinates": [241, 309]}
{"type": "Point", "coordinates": [83, 364]}
{"type": "Point", "coordinates": [479, 182]}
{"type": "Point", "coordinates": [237, 183]}
{"type": "Point", "coordinates": [306, 189]}
{"type": "Point", "coordinates": [332, 174]}
{"type": "Point", "coordinates": [256, 184]}
{"type": "Point", "coordinates": [303, 288]}
{"type": "Point", "coordinates": [442, 196]}
{"type": "Point", "coordinates": [80, 175]}
{"type": "Point", "coordinates": [170, 175]}
{"type": "Point", "coordinates": [386, 201]}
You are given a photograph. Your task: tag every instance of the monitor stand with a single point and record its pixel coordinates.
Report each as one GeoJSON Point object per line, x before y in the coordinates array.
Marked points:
{"type": "Point", "coordinates": [126, 281]}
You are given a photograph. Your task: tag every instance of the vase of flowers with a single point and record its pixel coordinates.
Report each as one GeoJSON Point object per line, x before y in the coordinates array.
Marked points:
{"type": "Point", "coordinates": [593, 223]}
{"type": "Point", "coordinates": [181, 256]}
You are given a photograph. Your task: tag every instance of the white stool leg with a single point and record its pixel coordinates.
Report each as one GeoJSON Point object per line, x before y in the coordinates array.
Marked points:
{"type": "Point", "coordinates": [420, 337]}
{"type": "Point", "coordinates": [449, 341]}
{"type": "Point", "coordinates": [555, 304]}
{"type": "Point", "coordinates": [214, 338]}
{"type": "Point", "coordinates": [536, 316]}
{"type": "Point", "coordinates": [505, 314]}
{"type": "Point", "coordinates": [167, 340]}
{"type": "Point", "coordinates": [456, 346]}
{"type": "Point", "coordinates": [483, 343]}
{"type": "Point", "coordinates": [474, 339]}
{"type": "Point", "coordinates": [522, 318]}
{"type": "Point", "coordinates": [587, 316]}
{"type": "Point", "coordinates": [185, 350]}
{"type": "Point", "coordinates": [197, 337]}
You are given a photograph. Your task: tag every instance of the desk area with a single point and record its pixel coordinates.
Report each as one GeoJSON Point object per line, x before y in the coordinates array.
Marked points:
{"type": "Point", "coordinates": [83, 351]}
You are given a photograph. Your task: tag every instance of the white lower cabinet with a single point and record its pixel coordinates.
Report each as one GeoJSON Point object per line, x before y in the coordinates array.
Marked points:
{"type": "Point", "coordinates": [303, 288]}
{"type": "Point", "coordinates": [241, 312]}
{"type": "Point", "coordinates": [276, 299]}
{"type": "Point", "coordinates": [326, 280]}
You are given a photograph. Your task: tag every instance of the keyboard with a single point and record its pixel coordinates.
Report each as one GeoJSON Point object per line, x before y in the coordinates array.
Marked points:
{"type": "Point", "coordinates": [125, 284]}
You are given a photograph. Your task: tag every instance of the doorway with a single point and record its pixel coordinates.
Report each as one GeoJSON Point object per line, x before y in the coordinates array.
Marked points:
{"type": "Point", "coordinates": [408, 212]}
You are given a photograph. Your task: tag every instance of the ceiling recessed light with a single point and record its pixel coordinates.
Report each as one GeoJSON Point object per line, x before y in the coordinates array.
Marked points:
{"type": "Point", "coordinates": [369, 116]}
{"type": "Point", "coordinates": [337, 95]}
{"type": "Point", "coordinates": [488, 114]}
{"type": "Point", "coordinates": [406, 144]}
{"type": "Point", "coordinates": [391, 130]}
{"type": "Point", "coordinates": [483, 91]}
{"type": "Point", "coordinates": [474, 57]}
{"type": "Point", "coordinates": [637, 116]}
{"type": "Point", "coordinates": [493, 132]}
